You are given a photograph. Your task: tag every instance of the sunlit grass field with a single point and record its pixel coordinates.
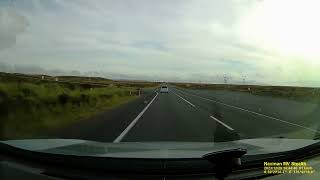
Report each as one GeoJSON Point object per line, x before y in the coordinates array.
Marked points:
{"type": "Point", "coordinates": [29, 107]}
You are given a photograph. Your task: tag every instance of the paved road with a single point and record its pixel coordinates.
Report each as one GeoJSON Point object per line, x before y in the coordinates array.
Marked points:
{"type": "Point", "coordinates": [255, 116]}
{"type": "Point", "coordinates": [201, 115]}
{"type": "Point", "coordinates": [170, 117]}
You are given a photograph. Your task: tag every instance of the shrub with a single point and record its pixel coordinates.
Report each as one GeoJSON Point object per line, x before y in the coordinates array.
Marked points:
{"type": "Point", "coordinates": [106, 96]}
{"type": "Point", "coordinates": [84, 98]}
{"type": "Point", "coordinates": [3, 104]}
{"type": "Point", "coordinates": [63, 98]}
{"type": "Point", "coordinates": [27, 92]}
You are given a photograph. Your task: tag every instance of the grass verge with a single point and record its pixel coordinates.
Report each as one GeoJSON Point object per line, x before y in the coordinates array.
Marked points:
{"type": "Point", "coordinates": [31, 107]}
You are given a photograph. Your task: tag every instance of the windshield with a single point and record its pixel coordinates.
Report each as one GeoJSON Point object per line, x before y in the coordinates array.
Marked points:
{"type": "Point", "coordinates": [160, 71]}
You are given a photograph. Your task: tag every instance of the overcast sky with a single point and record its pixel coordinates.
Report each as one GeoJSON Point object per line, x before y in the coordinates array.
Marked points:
{"type": "Point", "coordinates": [265, 41]}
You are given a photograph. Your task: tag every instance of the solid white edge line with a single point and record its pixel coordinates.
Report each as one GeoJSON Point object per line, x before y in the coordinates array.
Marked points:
{"type": "Point", "coordinates": [252, 112]}
{"type": "Point", "coordinates": [185, 100]}
{"type": "Point", "coordinates": [230, 128]}
{"type": "Point", "coordinates": [121, 136]}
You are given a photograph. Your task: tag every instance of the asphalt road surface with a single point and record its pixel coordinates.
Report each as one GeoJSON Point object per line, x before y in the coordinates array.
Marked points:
{"type": "Point", "coordinates": [199, 115]}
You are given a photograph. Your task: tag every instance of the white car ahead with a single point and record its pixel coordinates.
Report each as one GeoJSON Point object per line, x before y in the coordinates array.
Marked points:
{"type": "Point", "coordinates": [164, 89]}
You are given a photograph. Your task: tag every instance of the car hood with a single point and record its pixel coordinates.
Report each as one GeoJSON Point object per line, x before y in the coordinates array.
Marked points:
{"type": "Point", "coordinates": [154, 150]}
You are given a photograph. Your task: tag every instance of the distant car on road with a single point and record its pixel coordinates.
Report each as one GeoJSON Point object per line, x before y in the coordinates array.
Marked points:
{"type": "Point", "coordinates": [164, 89]}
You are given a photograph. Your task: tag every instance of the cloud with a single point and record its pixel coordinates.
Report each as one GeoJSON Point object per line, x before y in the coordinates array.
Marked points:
{"type": "Point", "coordinates": [11, 25]}
{"type": "Point", "coordinates": [173, 40]}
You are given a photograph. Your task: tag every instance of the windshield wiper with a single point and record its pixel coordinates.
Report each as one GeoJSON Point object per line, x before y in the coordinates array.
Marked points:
{"type": "Point", "coordinates": [225, 160]}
